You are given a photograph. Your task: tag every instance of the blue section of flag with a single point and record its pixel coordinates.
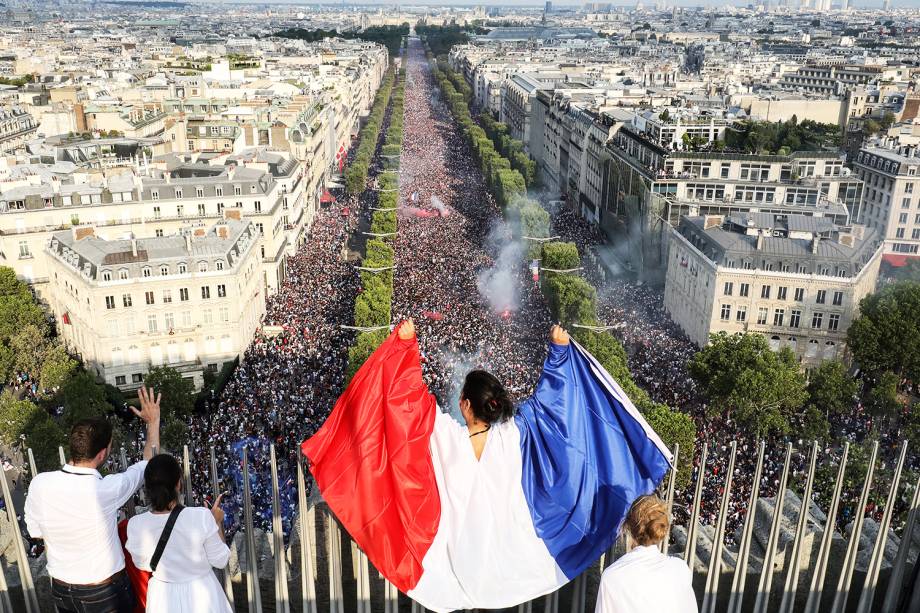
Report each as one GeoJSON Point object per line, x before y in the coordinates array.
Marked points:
{"type": "Point", "coordinates": [586, 457]}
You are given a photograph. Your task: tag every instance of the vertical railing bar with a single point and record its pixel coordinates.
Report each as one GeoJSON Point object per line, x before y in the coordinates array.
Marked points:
{"type": "Point", "coordinates": [281, 598]}
{"type": "Point", "coordinates": [363, 583]}
{"type": "Point", "coordinates": [762, 602]}
{"type": "Point", "coordinates": [878, 552]}
{"type": "Point", "coordinates": [215, 492]}
{"type": "Point", "coordinates": [899, 569]}
{"type": "Point", "coordinates": [130, 509]}
{"type": "Point", "coordinates": [186, 477]}
{"type": "Point", "coordinates": [61, 455]}
{"type": "Point", "coordinates": [335, 566]}
{"type": "Point", "coordinates": [254, 594]}
{"type": "Point", "coordinates": [849, 563]}
{"type": "Point", "coordinates": [5, 605]}
{"type": "Point", "coordinates": [715, 559]}
{"type": "Point", "coordinates": [314, 541]}
{"type": "Point", "coordinates": [819, 570]}
{"type": "Point", "coordinates": [307, 578]}
{"type": "Point", "coordinates": [672, 481]}
{"type": "Point", "coordinates": [693, 529]}
{"type": "Point", "coordinates": [34, 468]}
{"type": "Point", "coordinates": [792, 577]}
{"type": "Point", "coordinates": [29, 595]}
{"type": "Point", "coordinates": [744, 549]}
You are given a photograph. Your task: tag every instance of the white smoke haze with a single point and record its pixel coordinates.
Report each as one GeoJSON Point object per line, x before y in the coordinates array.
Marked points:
{"type": "Point", "coordinates": [438, 204]}
{"type": "Point", "coordinates": [498, 285]}
{"type": "Point", "coordinates": [459, 364]}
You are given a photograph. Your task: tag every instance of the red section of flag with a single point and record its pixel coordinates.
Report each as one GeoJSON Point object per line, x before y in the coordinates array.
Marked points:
{"type": "Point", "coordinates": [433, 315]}
{"type": "Point", "coordinates": [66, 318]}
{"type": "Point", "coordinates": [373, 465]}
{"type": "Point", "coordinates": [326, 198]}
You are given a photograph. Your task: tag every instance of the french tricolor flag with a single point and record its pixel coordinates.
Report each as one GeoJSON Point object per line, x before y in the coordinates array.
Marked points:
{"type": "Point", "coordinates": [545, 500]}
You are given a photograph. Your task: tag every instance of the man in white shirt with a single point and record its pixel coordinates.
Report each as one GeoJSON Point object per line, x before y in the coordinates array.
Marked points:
{"type": "Point", "coordinates": [75, 511]}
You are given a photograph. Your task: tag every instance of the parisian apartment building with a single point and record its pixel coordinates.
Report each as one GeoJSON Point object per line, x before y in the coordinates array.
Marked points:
{"type": "Point", "coordinates": [795, 279]}
{"type": "Point", "coordinates": [191, 300]}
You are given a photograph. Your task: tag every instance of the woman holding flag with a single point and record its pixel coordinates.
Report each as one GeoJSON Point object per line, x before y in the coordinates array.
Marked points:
{"type": "Point", "coordinates": [496, 512]}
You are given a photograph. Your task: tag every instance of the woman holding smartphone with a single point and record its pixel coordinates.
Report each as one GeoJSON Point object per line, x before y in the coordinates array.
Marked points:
{"type": "Point", "coordinates": [180, 546]}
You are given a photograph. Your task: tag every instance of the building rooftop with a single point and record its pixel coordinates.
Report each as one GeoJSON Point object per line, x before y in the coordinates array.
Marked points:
{"type": "Point", "coordinates": [224, 242]}
{"type": "Point", "coordinates": [787, 243]}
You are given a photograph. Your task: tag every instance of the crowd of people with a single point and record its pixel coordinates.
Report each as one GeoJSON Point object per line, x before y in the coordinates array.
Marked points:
{"type": "Point", "coordinates": [450, 234]}
{"type": "Point", "coordinates": [440, 258]}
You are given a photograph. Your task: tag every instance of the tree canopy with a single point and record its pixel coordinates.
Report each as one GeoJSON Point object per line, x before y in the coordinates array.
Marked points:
{"type": "Point", "coordinates": [831, 389]}
{"type": "Point", "coordinates": [769, 136]}
{"type": "Point", "coordinates": [740, 374]}
{"type": "Point", "coordinates": [886, 335]}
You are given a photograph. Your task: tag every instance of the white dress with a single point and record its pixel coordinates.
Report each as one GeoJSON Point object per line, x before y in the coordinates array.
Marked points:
{"type": "Point", "coordinates": [184, 581]}
{"type": "Point", "coordinates": [646, 581]}
{"type": "Point", "coordinates": [459, 570]}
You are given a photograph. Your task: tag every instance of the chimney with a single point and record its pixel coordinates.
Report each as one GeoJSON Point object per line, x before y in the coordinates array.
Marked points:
{"type": "Point", "coordinates": [134, 247]}
{"type": "Point", "coordinates": [712, 221]}
{"type": "Point", "coordinates": [188, 242]}
{"type": "Point", "coordinates": [759, 245]}
{"type": "Point", "coordinates": [222, 232]}
{"type": "Point", "coordinates": [814, 244]}
{"type": "Point", "coordinates": [81, 232]}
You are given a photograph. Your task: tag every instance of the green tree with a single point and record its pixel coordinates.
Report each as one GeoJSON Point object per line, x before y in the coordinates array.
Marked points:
{"type": "Point", "coordinates": [29, 345]}
{"type": "Point", "coordinates": [882, 400]}
{"type": "Point", "coordinates": [17, 417]}
{"type": "Point", "coordinates": [739, 374]}
{"type": "Point", "coordinates": [174, 435]}
{"type": "Point", "coordinates": [56, 368]}
{"type": "Point", "coordinates": [81, 397]}
{"type": "Point", "coordinates": [44, 438]}
{"type": "Point", "coordinates": [674, 428]}
{"type": "Point", "coordinates": [831, 389]}
{"type": "Point", "coordinates": [886, 335]}
{"type": "Point", "coordinates": [178, 393]}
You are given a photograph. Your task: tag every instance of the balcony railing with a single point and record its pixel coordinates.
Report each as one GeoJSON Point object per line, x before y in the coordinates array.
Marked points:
{"type": "Point", "coordinates": [787, 553]}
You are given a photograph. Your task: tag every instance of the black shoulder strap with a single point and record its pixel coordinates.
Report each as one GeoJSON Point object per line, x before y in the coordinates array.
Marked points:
{"type": "Point", "coordinates": [167, 530]}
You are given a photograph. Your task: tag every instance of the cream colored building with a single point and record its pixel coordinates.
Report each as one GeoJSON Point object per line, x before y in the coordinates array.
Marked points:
{"type": "Point", "coordinates": [259, 186]}
{"type": "Point", "coordinates": [891, 173]}
{"type": "Point", "coordinates": [795, 279]}
{"type": "Point", "coordinates": [190, 301]}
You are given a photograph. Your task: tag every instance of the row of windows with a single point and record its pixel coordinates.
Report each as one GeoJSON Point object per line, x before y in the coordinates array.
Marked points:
{"type": "Point", "coordinates": [119, 327]}
{"type": "Point", "coordinates": [150, 298]}
{"type": "Point", "coordinates": [147, 271]}
{"type": "Point", "coordinates": [782, 292]}
{"type": "Point", "coordinates": [139, 377]}
{"type": "Point", "coordinates": [779, 317]}
{"type": "Point", "coordinates": [199, 191]}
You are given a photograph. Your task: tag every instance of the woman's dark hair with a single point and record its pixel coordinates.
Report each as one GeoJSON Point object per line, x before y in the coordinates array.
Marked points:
{"type": "Point", "coordinates": [488, 399]}
{"type": "Point", "coordinates": [160, 479]}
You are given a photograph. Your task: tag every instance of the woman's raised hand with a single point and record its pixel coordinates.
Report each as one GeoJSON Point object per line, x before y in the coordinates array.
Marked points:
{"type": "Point", "coordinates": [407, 330]}
{"type": "Point", "coordinates": [558, 335]}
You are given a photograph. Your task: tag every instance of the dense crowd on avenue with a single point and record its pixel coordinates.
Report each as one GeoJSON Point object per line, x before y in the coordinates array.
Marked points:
{"type": "Point", "coordinates": [465, 282]}
{"type": "Point", "coordinates": [443, 260]}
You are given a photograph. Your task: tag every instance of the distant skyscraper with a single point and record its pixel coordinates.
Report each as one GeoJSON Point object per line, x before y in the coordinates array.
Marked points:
{"type": "Point", "coordinates": [548, 8]}
{"type": "Point", "coordinates": [844, 4]}
{"type": "Point", "coordinates": [887, 5]}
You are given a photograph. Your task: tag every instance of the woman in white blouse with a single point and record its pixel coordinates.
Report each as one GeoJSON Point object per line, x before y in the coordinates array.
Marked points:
{"type": "Point", "coordinates": [184, 580]}
{"type": "Point", "coordinates": [645, 580]}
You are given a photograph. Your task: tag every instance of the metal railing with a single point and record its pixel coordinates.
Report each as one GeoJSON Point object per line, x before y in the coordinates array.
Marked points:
{"type": "Point", "coordinates": [779, 574]}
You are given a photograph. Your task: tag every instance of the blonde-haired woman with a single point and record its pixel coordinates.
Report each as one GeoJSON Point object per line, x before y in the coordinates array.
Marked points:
{"type": "Point", "coordinates": [645, 580]}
